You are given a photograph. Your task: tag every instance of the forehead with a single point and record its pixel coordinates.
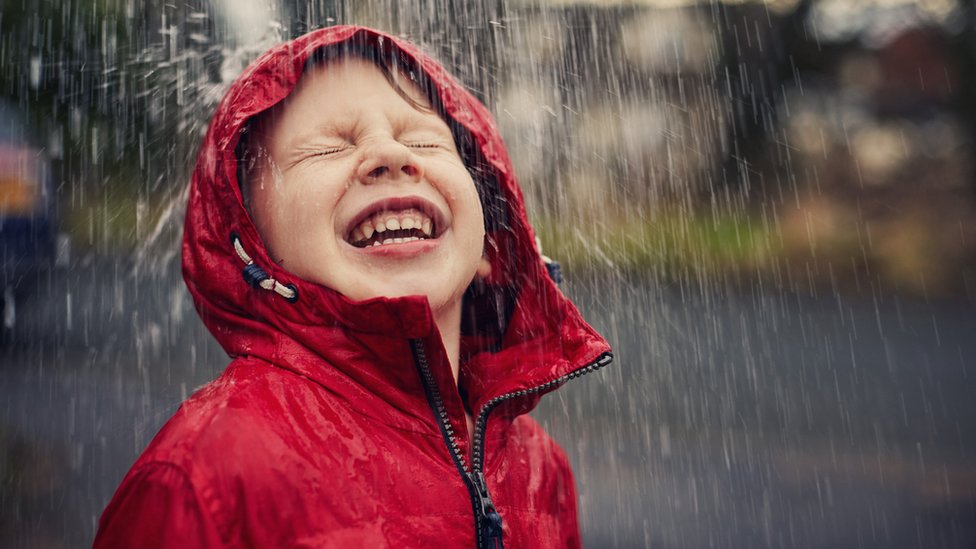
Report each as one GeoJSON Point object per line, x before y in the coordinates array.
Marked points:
{"type": "Point", "coordinates": [343, 87]}
{"type": "Point", "coordinates": [357, 71]}
{"type": "Point", "coordinates": [334, 94]}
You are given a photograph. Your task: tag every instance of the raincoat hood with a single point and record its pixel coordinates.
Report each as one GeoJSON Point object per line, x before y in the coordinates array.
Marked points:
{"type": "Point", "coordinates": [520, 331]}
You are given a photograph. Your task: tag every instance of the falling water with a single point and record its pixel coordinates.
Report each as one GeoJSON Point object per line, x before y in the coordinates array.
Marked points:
{"type": "Point", "coordinates": [766, 206]}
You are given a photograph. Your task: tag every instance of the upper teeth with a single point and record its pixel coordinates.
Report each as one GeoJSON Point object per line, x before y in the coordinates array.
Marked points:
{"type": "Point", "coordinates": [391, 221]}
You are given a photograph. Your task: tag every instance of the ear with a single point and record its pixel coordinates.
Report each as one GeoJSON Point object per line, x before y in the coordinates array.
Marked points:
{"type": "Point", "coordinates": [484, 268]}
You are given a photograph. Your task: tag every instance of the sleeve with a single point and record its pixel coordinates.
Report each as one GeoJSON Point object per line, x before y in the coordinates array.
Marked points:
{"type": "Point", "coordinates": [569, 518]}
{"type": "Point", "coordinates": [156, 507]}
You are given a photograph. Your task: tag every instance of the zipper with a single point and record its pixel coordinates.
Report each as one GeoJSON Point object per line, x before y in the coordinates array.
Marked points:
{"type": "Point", "coordinates": [481, 423]}
{"type": "Point", "coordinates": [490, 529]}
{"type": "Point", "coordinates": [488, 521]}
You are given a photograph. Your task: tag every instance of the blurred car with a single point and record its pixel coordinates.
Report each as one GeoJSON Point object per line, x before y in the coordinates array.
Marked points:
{"type": "Point", "coordinates": [28, 233]}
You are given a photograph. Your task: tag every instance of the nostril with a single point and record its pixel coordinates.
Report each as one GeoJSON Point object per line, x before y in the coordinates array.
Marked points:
{"type": "Point", "coordinates": [378, 171]}
{"type": "Point", "coordinates": [389, 159]}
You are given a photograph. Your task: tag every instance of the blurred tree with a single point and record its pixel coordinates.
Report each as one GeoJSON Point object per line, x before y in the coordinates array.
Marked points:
{"type": "Point", "coordinates": [105, 87]}
{"type": "Point", "coordinates": [758, 60]}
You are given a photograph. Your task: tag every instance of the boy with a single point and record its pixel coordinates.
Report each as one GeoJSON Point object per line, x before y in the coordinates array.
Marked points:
{"type": "Point", "coordinates": [393, 324]}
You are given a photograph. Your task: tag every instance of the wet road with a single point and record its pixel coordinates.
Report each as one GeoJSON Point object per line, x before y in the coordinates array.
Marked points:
{"type": "Point", "coordinates": [757, 419]}
{"type": "Point", "coordinates": [729, 419]}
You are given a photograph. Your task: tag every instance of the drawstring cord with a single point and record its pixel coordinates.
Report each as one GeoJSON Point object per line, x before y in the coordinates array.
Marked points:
{"type": "Point", "coordinates": [258, 277]}
{"type": "Point", "coordinates": [552, 266]}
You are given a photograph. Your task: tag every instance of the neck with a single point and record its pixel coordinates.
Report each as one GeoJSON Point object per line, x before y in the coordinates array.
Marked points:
{"type": "Point", "coordinates": [448, 320]}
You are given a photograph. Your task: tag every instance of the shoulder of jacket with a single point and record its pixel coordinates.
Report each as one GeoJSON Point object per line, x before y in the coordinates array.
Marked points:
{"type": "Point", "coordinates": [245, 408]}
{"type": "Point", "coordinates": [244, 379]}
{"type": "Point", "coordinates": [534, 439]}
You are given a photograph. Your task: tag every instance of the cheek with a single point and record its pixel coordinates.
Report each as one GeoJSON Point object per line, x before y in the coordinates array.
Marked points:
{"type": "Point", "coordinates": [477, 215]}
{"type": "Point", "coordinates": [282, 219]}
{"type": "Point", "coordinates": [265, 194]}
{"type": "Point", "coordinates": [299, 206]}
{"type": "Point", "coordinates": [263, 213]}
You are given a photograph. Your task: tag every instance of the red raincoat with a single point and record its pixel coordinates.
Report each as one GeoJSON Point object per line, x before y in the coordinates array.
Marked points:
{"type": "Point", "coordinates": [338, 423]}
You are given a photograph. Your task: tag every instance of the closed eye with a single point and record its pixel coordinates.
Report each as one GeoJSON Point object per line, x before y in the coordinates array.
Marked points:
{"type": "Point", "coordinates": [328, 151]}
{"type": "Point", "coordinates": [313, 152]}
{"type": "Point", "coordinates": [424, 145]}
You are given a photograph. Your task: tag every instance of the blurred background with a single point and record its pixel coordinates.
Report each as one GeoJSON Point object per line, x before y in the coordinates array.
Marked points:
{"type": "Point", "coordinates": [768, 207]}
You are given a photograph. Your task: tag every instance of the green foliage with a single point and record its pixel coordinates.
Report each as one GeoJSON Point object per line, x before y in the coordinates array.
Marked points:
{"type": "Point", "coordinates": [668, 242]}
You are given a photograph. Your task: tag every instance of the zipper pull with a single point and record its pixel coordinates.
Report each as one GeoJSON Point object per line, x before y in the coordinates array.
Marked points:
{"type": "Point", "coordinates": [489, 518]}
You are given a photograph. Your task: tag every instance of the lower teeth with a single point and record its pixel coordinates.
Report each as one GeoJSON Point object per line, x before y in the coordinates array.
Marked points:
{"type": "Point", "coordinates": [394, 241]}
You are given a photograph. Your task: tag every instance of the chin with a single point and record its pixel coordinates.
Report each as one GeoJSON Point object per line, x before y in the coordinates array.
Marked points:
{"type": "Point", "coordinates": [404, 288]}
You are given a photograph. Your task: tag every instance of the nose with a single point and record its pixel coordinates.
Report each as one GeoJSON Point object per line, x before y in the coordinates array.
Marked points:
{"type": "Point", "coordinates": [388, 158]}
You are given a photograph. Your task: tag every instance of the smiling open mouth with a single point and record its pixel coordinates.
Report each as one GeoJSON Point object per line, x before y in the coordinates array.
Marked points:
{"type": "Point", "coordinates": [388, 227]}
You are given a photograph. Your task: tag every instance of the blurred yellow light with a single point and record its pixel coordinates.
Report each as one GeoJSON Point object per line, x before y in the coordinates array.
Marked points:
{"type": "Point", "coordinates": [938, 9]}
{"type": "Point", "coordinates": [17, 197]}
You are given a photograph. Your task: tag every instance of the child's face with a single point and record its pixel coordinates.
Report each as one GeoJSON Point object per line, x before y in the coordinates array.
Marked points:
{"type": "Point", "coordinates": [350, 166]}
